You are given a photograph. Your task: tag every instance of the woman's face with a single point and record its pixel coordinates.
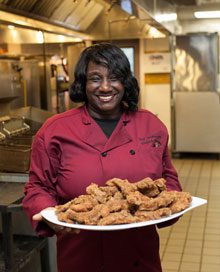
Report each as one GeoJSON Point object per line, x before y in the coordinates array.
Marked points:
{"type": "Point", "coordinates": [104, 92]}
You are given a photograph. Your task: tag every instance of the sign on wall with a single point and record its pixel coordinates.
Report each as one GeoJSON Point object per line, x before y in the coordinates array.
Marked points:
{"type": "Point", "coordinates": [158, 62]}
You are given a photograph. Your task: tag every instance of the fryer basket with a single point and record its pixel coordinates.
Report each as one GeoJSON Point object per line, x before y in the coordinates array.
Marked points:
{"type": "Point", "coordinates": [14, 158]}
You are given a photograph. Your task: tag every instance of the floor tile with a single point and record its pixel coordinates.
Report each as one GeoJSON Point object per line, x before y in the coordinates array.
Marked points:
{"type": "Point", "coordinates": [193, 243]}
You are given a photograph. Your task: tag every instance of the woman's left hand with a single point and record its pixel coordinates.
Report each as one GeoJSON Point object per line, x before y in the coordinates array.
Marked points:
{"type": "Point", "coordinates": [55, 227]}
{"type": "Point", "coordinates": [61, 229]}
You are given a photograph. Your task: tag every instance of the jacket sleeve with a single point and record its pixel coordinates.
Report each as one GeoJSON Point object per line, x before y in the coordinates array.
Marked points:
{"type": "Point", "coordinates": [40, 191]}
{"type": "Point", "coordinates": [169, 173]}
{"type": "Point", "coordinates": [172, 182]}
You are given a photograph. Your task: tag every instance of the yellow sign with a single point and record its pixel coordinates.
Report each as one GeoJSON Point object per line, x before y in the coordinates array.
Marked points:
{"type": "Point", "coordinates": [157, 78]}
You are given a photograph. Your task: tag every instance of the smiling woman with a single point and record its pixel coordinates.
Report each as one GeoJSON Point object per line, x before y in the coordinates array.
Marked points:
{"type": "Point", "coordinates": [105, 65]}
{"type": "Point", "coordinates": [107, 137]}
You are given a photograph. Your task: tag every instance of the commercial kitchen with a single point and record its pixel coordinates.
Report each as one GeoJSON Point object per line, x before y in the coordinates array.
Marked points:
{"type": "Point", "coordinates": [173, 48]}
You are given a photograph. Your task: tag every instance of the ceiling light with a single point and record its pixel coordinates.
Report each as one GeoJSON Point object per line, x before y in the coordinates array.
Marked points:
{"type": "Point", "coordinates": [40, 37]}
{"type": "Point", "coordinates": [166, 17]}
{"type": "Point", "coordinates": [207, 14]}
{"type": "Point", "coordinates": [11, 27]}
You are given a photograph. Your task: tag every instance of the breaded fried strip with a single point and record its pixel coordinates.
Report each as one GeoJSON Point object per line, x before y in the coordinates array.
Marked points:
{"type": "Point", "coordinates": [115, 205]}
{"type": "Point", "coordinates": [161, 184]}
{"type": "Point", "coordinates": [82, 203]}
{"type": "Point", "coordinates": [122, 217]}
{"type": "Point", "coordinates": [63, 208]}
{"type": "Point", "coordinates": [123, 185]}
{"type": "Point", "coordinates": [137, 198]}
{"type": "Point", "coordinates": [181, 202]}
{"type": "Point", "coordinates": [151, 188]}
{"type": "Point", "coordinates": [162, 200]}
{"type": "Point", "coordinates": [109, 190]}
{"type": "Point", "coordinates": [152, 215]}
{"type": "Point", "coordinates": [63, 217]}
{"type": "Point", "coordinates": [89, 218]}
{"type": "Point", "coordinates": [94, 190]}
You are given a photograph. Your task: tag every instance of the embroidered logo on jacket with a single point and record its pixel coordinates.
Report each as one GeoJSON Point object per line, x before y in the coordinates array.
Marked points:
{"type": "Point", "coordinates": [154, 141]}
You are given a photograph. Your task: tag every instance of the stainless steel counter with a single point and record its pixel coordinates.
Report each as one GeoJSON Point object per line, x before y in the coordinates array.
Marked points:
{"type": "Point", "coordinates": [21, 225]}
{"type": "Point", "coordinates": [13, 177]}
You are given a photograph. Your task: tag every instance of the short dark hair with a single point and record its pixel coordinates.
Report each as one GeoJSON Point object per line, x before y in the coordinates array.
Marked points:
{"type": "Point", "coordinates": [116, 61]}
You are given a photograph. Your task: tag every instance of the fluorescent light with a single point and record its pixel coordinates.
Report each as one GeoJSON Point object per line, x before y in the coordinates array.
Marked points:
{"type": "Point", "coordinates": [166, 17]}
{"type": "Point", "coordinates": [40, 37]}
{"type": "Point", "coordinates": [207, 14]}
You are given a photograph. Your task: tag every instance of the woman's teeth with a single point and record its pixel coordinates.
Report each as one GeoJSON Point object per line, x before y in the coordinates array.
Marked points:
{"type": "Point", "coordinates": [106, 98]}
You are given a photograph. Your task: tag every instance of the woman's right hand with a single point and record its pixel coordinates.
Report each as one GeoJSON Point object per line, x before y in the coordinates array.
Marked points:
{"type": "Point", "coordinates": [55, 227]}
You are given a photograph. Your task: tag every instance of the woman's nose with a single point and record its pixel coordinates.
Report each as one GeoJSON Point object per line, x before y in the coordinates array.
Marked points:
{"type": "Point", "coordinates": [105, 85]}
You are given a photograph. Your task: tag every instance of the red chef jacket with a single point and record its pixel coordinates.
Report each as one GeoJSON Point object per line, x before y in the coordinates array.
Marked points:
{"type": "Point", "coordinates": [69, 152]}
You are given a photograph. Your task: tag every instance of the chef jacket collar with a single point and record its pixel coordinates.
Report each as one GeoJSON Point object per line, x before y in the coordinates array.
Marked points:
{"type": "Point", "coordinates": [119, 137]}
{"type": "Point", "coordinates": [86, 118]}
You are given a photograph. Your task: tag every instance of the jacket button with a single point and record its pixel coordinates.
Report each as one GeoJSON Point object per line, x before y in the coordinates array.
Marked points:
{"type": "Point", "coordinates": [132, 152]}
{"type": "Point", "coordinates": [104, 154]}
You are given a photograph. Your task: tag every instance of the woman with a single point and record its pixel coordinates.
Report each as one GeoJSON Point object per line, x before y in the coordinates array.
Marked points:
{"type": "Point", "coordinates": [106, 137]}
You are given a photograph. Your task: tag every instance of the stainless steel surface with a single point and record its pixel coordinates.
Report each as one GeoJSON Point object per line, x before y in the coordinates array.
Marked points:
{"type": "Point", "coordinates": [23, 139]}
{"type": "Point", "coordinates": [10, 79]}
{"type": "Point", "coordinates": [14, 126]}
{"type": "Point", "coordinates": [17, 137]}
{"type": "Point", "coordinates": [197, 116]}
{"type": "Point", "coordinates": [94, 17]}
{"type": "Point", "coordinates": [34, 117]}
{"type": "Point", "coordinates": [14, 158]}
{"type": "Point", "coordinates": [13, 177]}
{"type": "Point", "coordinates": [97, 19]}
{"type": "Point", "coordinates": [196, 62]}
{"type": "Point", "coordinates": [20, 82]}
{"type": "Point", "coordinates": [2, 136]}
{"type": "Point", "coordinates": [71, 14]}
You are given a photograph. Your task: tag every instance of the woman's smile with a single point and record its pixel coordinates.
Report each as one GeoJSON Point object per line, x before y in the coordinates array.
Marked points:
{"type": "Point", "coordinates": [106, 98]}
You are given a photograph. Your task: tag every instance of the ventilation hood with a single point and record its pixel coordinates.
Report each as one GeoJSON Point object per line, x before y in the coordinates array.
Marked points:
{"type": "Point", "coordinates": [85, 19]}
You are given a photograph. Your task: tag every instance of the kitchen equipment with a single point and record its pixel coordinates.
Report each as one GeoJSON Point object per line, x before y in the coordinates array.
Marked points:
{"type": "Point", "coordinates": [2, 136]}
{"type": "Point", "coordinates": [34, 117]}
{"type": "Point", "coordinates": [17, 130]}
{"type": "Point", "coordinates": [14, 126]}
{"type": "Point", "coordinates": [14, 158]}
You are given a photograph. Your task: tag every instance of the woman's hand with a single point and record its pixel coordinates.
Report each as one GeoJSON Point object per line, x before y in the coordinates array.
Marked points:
{"type": "Point", "coordinates": [55, 227]}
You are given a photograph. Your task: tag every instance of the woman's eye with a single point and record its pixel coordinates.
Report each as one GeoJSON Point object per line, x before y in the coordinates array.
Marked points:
{"type": "Point", "coordinates": [94, 79]}
{"type": "Point", "coordinates": [113, 78]}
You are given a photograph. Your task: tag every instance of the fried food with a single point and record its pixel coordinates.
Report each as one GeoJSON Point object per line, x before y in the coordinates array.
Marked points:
{"type": "Point", "coordinates": [152, 215]}
{"type": "Point", "coordinates": [137, 198]}
{"type": "Point", "coordinates": [91, 217]}
{"type": "Point", "coordinates": [124, 186]}
{"type": "Point", "coordinates": [123, 202]}
{"type": "Point", "coordinates": [181, 202]}
{"type": "Point", "coordinates": [94, 190]}
{"type": "Point", "coordinates": [164, 199]}
{"type": "Point", "coordinates": [122, 217]}
{"type": "Point", "coordinates": [151, 188]}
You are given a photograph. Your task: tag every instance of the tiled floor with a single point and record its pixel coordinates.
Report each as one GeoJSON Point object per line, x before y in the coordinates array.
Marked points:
{"type": "Point", "coordinates": [193, 243]}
